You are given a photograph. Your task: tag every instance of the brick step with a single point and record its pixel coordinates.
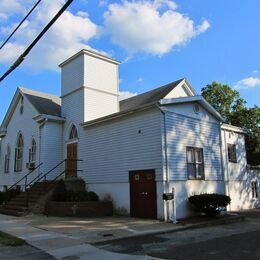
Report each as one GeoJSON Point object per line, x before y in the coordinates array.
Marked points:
{"type": "Point", "coordinates": [24, 199]}
{"type": "Point", "coordinates": [11, 212]}
{"type": "Point", "coordinates": [15, 207]}
{"type": "Point", "coordinates": [22, 203]}
{"type": "Point", "coordinates": [17, 202]}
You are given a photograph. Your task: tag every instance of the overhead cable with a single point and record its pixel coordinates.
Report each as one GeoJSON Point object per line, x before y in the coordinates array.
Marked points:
{"type": "Point", "coordinates": [17, 27]}
{"type": "Point", "coordinates": [26, 52]}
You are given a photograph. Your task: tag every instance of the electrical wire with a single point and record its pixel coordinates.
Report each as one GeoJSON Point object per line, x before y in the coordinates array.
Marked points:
{"type": "Point", "coordinates": [18, 26]}
{"type": "Point", "coordinates": [26, 52]}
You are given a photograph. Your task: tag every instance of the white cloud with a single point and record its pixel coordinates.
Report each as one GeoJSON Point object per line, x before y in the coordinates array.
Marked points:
{"type": "Point", "coordinates": [126, 94]}
{"type": "Point", "coordinates": [11, 6]}
{"type": "Point", "coordinates": [255, 71]}
{"type": "Point", "coordinates": [140, 80]}
{"type": "Point", "coordinates": [68, 35]}
{"type": "Point", "coordinates": [250, 82]}
{"type": "Point", "coordinates": [153, 27]}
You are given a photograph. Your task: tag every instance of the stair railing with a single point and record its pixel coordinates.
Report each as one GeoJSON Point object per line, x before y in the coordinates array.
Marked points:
{"type": "Point", "coordinates": [25, 178]}
{"type": "Point", "coordinates": [44, 175]}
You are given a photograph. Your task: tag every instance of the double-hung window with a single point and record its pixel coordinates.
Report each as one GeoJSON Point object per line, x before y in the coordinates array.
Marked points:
{"type": "Point", "coordinates": [254, 186]}
{"type": "Point", "coordinates": [195, 164]}
{"type": "Point", "coordinates": [232, 155]}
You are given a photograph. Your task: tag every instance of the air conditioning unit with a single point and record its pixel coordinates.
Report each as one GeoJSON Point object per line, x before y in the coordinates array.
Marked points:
{"type": "Point", "coordinates": [30, 165]}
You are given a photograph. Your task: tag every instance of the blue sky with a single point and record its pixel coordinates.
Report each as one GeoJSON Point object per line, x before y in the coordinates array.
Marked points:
{"type": "Point", "coordinates": [157, 42]}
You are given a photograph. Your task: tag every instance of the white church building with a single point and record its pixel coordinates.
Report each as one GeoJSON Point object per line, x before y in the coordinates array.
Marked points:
{"type": "Point", "coordinates": [167, 140]}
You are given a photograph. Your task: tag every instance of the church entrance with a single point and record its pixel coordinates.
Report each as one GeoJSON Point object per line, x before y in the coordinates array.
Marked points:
{"type": "Point", "coordinates": [71, 164]}
{"type": "Point", "coordinates": [72, 153]}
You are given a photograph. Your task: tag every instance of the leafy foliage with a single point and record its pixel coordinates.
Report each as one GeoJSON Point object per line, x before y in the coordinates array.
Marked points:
{"type": "Point", "coordinates": [8, 195]}
{"type": "Point", "coordinates": [231, 106]}
{"type": "Point", "coordinates": [210, 204]}
{"type": "Point", "coordinates": [223, 98]}
{"type": "Point", "coordinates": [61, 193]}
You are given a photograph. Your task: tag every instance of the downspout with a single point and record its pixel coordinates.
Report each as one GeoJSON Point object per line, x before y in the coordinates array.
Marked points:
{"type": "Point", "coordinates": [227, 169]}
{"type": "Point", "coordinates": [40, 142]}
{"type": "Point", "coordinates": [168, 218]}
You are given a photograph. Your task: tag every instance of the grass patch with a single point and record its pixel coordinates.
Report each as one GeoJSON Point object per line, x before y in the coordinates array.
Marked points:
{"type": "Point", "coordinates": [8, 240]}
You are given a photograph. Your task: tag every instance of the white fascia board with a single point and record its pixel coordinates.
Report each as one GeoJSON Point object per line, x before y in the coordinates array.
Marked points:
{"type": "Point", "coordinates": [89, 53]}
{"type": "Point", "coordinates": [233, 128]}
{"type": "Point", "coordinates": [11, 108]}
{"type": "Point", "coordinates": [191, 89]}
{"type": "Point", "coordinates": [199, 99]}
{"type": "Point", "coordinates": [42, 117]}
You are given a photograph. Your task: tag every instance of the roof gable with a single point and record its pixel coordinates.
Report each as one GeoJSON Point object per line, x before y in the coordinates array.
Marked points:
{"type": "Point", "coordinates": [151, 96]}
{"type": "Point", "coordinates": [42, 103]}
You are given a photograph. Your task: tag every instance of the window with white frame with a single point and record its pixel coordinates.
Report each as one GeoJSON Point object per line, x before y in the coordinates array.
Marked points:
{"type": "Point", "coordinates": [195, 163]}
{"type": "Point", "coordinates": [7, 159]}
{"type": "Point", "coordinates": [18, 162]}
{"type": "Point", "coordinates": [32, 151]}
{"type": "Point", "coordinates": [254, 186]}
{"type": "Point", "coordinates": [232, 154]}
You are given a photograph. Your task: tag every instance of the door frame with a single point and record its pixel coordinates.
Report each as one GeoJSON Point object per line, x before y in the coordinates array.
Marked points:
{"type": "Point", "coordinates": [69, 142]}
{"type": "Point", "coordinates": [154, 202]}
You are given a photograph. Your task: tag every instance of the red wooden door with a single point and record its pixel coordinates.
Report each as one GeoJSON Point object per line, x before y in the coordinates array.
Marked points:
{"type": "Point", "coordinates": [143, 199]}
{"type": "Point", "coordinates": [72, 156]}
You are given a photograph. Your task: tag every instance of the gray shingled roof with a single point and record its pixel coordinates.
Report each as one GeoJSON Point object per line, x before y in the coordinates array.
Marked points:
{"type": "Point", "coordinates": [148, 97]}
{"type": "Point", "coordinates": [43, 103]}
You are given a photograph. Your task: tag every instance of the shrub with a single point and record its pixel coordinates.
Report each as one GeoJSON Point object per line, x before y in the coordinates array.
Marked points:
{"type": "Point", "coordinates": [8, 195]}
{"type": "Point", "coordinates": [211, 204]}
{"type": "Point", "coordinates": [60, 192]}
{"type": "Point", "coordinates": [93, 196]}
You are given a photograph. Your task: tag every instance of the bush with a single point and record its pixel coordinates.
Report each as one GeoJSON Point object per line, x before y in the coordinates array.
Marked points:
{"type": "Point", "coordinates": [60, 193]}
{"type": "Point", "coordinates": [93, 196]}
{"type": "Point", "coordinates": [8, 195]}
{"type": "Point", "coordinates": [211, 204]}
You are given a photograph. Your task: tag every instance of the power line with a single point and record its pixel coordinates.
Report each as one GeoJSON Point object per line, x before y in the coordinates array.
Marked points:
{"type": "Point", "coordinates": [17, 27]}
{"type": "Point", "coordinates": [26, 52]}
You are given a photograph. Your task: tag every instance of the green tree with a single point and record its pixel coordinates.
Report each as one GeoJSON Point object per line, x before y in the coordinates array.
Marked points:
{"type": "Point", "coordinates": [231, 106]}
{"type": "Point", "coordinates": [224, 99]}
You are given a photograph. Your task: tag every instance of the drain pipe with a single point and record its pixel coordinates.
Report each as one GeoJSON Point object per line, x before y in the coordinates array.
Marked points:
{"type": "Point", "coordinates": [168, 216]}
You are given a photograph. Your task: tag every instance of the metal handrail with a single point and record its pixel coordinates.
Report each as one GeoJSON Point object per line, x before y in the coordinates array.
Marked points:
{"type": "Point", "coordinates": [41, 175]}
{"type": "Point", "coordinates": [25, 177]}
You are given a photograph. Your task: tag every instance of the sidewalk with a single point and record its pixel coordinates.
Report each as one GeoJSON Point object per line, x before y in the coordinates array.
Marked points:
{"type": "Point", "coordinates": [70, 237]}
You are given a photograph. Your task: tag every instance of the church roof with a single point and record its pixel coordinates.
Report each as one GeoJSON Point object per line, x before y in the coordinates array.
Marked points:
{"type": "Point", "coordinates": [151, 96]}
{"type": "Point", "coordinates": [42, 102]}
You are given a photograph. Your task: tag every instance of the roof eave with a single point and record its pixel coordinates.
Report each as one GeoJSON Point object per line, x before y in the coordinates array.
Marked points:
{"type": "Point", "coordinates": [90, 53]}
{"type": "Point", "coordinates": [117, 115]}
{"type": "Point", "coordinates": [233, 128]}
{"type": "Point", "coordinates": [199, 99]}
{"type": "Point", "coordinates": [41, 117]}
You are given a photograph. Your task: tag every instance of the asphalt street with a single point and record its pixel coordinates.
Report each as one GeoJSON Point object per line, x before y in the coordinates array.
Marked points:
{"type": "Point", "coordinates": [232, 241]}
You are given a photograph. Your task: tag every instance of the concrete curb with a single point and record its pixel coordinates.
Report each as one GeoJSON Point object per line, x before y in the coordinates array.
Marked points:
{"type": "Point", "coordinates": [229, 220]}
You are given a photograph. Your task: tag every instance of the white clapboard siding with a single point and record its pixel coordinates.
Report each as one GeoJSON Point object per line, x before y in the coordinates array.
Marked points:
{"type": "Point", "coordinates": [53, 148]}
{"type": "Point", "coordinates": [111, 150]}
{"type": "Point", "coordinates": [183, 131]}
{"type": "Point", "coordinates": [100, 74]}
{"type": "Point", "coordinates": [24, 124]}
{"type": "Point", "coordinates": [72, 75]}
{"type": "Point", "coordinates": [235, 170]}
